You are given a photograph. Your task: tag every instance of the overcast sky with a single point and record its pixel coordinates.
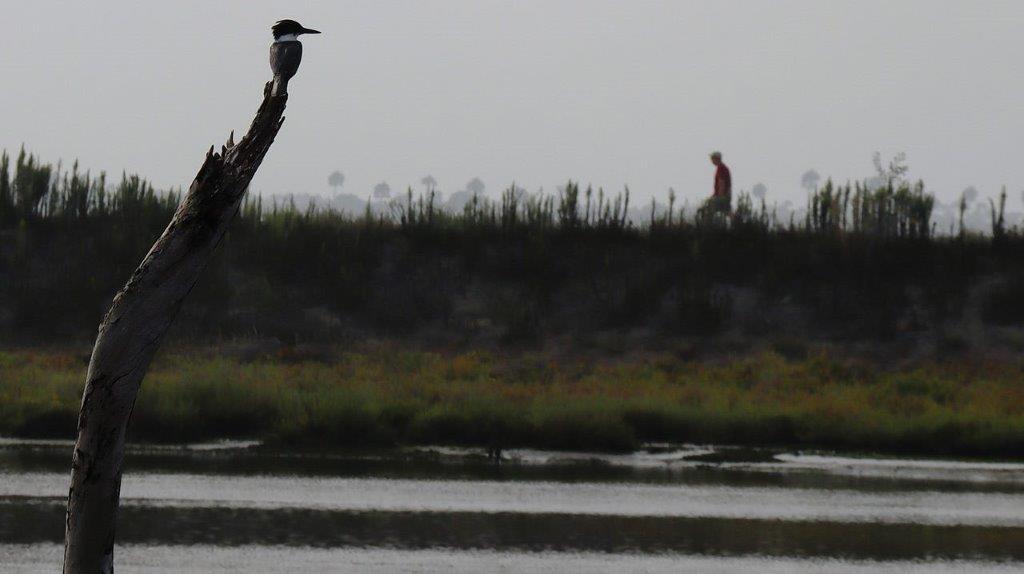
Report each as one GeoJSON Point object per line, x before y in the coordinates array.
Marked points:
{"type": "Point", "coordinates": [537, 91]}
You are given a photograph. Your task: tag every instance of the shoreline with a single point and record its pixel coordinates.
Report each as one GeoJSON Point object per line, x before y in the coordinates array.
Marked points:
{"type": "Point", "coordinates": [664, 465]}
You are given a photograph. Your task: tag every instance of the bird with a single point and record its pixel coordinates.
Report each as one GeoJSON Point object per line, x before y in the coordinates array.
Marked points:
{"type": "Point", "coordinates": [286, 53]}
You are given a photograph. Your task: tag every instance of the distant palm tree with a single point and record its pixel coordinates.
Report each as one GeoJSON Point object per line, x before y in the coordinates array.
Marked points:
{"type": "Point", "coordinates": [429, 182]}
{"type": "Point", "coordinates": [336, 180]}
{"type": "Point", "coordinates": [382, 191]}
{"type": "Point", "coordinates": [970, 194]}
{"type": "Point", "coordinates": [759, 191]}
{"type": "Point", "coordinates": [476, 186]}
{"type": "Point", "coordinates": [810, 180]}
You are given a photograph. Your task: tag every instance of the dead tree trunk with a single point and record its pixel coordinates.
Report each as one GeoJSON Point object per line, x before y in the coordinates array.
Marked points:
{"type": "Point", "coordinates": [133, 328]}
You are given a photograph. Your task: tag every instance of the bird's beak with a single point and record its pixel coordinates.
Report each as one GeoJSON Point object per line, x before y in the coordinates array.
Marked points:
{"type": "Point", "coordinates": [308, 31]}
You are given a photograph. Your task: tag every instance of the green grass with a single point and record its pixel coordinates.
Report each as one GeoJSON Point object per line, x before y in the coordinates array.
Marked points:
{"type": "Point", "coordinates": [386, 396]}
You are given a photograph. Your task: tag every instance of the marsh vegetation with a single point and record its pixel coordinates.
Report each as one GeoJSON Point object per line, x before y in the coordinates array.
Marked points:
{"type": "Point", "coordinates": [861, 263]}
{"type": "Point", "coordinates": [554, 321]}
{"type": "Point", "coordinates": [386, 396]}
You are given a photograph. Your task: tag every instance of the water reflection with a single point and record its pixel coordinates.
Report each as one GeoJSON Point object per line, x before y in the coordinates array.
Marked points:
{"type": "Point", "coordinates": [262, 559]}
{"type": "Point", "coordinates": [605, 499]}
{"type": "Point", "coordinates": [33, 521]}
{"type": "Point", "coordinates": [449, 510]}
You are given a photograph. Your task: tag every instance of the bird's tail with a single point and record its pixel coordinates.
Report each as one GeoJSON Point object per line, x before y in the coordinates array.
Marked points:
{"type": "Point", "coordinates": [280, 86]}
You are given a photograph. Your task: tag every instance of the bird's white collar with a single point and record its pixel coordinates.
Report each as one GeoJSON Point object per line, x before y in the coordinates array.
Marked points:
{"type": "Point", "coordinates": [288, 38]}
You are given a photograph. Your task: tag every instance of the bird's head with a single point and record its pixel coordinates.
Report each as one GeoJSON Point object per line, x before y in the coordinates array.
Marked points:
{"type": "Point", "coordinates": [290, 28]}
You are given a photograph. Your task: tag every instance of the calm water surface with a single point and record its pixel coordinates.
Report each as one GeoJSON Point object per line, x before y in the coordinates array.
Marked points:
{"type": "Point", "coordinates": [236, 507]}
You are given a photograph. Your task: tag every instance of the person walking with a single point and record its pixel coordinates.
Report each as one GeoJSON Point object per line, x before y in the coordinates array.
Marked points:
{"type": "Point", "coordinates": [721, 198]}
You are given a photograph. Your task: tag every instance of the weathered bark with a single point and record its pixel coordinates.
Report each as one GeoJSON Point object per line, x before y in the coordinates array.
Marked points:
{"type": "Point", "coordinates": [133, 328]}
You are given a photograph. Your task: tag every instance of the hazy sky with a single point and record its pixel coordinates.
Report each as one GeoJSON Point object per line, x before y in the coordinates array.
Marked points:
{"type": "Point", "coordinates": [537, 91]}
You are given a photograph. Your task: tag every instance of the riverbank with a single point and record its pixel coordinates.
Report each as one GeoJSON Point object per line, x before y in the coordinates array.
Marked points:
{"type": "Point", "coordinates": [385, 396]}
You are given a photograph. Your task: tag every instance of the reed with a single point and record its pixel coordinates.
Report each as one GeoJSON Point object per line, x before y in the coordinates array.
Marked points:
{"type": "Point", "coordinates": [68, 240]}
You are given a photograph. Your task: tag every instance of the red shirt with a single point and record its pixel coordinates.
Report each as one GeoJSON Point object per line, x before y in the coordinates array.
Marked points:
{"type": "Point", "coordinates": [723, 180]}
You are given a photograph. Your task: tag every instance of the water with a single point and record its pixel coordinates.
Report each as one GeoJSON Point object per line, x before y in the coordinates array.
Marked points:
{"type": "Point", "coordinates": [233, 507]}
